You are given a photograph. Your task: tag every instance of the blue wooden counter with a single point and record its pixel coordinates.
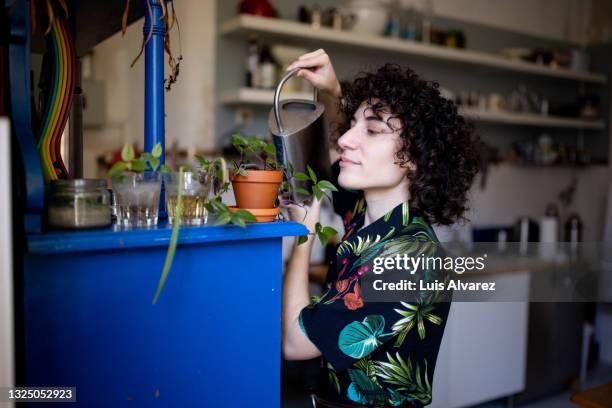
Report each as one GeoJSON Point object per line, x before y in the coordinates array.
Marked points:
{"type": "Point", "coordinates": [213, 338]}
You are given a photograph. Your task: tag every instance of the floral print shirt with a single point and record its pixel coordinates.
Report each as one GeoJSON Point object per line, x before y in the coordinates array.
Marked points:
{"type": "Point", "coordinates": [376, 353]}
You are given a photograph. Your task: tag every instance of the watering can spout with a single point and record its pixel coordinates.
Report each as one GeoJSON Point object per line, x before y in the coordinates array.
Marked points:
{"type": "Point", "coordinates": [300, 134]}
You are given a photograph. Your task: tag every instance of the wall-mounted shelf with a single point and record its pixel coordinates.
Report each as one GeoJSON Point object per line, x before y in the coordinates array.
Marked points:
{"type": "Point", "coordinates": [284, 29]}
{"type": "Point", "coordinates": [532, 119]}
{"type": "Point", "coordinates": [253, 96]}
{"type": "Point", "coordinates": [248, 96]}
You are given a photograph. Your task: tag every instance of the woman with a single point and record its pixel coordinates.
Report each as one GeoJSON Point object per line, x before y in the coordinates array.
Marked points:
{"type": "Point", "coordinates": [407, 160]}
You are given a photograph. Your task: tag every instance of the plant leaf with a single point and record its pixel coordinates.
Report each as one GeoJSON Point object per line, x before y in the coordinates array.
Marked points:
{"type": "Point", "coordinates": [138, 165]}
{"type": "Point", "coordinates": [246, 215]}
{"type": "Point", "coordinates": [301, 176]}
{"type": "Point", "coordinates": [313, 176]}
{"type": "Point", "coordinates": [302, 191]}
{"type": "Point", "coordinates": [157, 150]}
{"type": "Point", "coordinates": [127, 153]}
{"type": "Point", "coordinates": [317, 192]}
{"type": "Point", "coordinates": [117, 168]}
{"type": "Point", "coordinates": [270, 149]}
{"type": "Point", "coordinates": [173, 238]}
{"type": "Point", "coordinates": [223, 219]}
{"type": "Point", "coordinates": [154, 162]}
{"type": "Point", "coordinates": [236, 219]}
{"type": "Point", "coordinates": [326, 185]}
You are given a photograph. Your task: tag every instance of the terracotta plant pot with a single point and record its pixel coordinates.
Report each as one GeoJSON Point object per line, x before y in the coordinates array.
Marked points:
{"type": "Point", "coordinates": [258, 189]}
{"type": "Point", "coordinates": [261, 214]}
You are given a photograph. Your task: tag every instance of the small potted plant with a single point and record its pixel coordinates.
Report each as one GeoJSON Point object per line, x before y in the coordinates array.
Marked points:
{"type": "Point", "coordinates": [256, 183]}
{"type": "Point", "coordinates": [137, 186]}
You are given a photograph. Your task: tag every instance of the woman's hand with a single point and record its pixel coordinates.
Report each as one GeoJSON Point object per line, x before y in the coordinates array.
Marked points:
{"type": "Point", "coordinates": [318, 70]}
{"type": "Point", "coordinates": [309, 215]}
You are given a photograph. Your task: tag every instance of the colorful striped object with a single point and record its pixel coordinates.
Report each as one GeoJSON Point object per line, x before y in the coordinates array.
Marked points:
{"type": "Point", "coordinates": [60, 99]}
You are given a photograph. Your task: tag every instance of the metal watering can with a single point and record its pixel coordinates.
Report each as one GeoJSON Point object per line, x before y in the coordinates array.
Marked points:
{"type": "Point", "coordinates": [300, 135]}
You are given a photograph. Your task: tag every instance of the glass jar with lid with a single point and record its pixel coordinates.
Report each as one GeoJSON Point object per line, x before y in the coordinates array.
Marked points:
{"type": "Point", "coordinates": [79, 203]}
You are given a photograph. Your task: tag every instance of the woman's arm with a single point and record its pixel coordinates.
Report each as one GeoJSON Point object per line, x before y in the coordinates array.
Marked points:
{"type": "Point", "coordinates": [296, 346]}
{"type": "Point", "coordinates": [319, 71]}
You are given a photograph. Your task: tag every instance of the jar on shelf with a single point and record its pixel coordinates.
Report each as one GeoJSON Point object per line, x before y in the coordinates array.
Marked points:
{"type": "Point", "coordinates": [78, 203]}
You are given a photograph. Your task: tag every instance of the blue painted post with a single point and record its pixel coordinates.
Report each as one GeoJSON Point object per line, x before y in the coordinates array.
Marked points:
{"type": "Point", "coordinates": [154, 84]}
{"type": "Point", "coordinates": [154, 78]}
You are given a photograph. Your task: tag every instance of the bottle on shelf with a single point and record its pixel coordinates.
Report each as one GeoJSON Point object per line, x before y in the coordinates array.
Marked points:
{"type": "Point", "coordinates": [393, 28]}
{"type": "Point", "coordinates": [428, 10]}
{"type": "Point", "coordinates": [410, 24]}
{"type": "Point", "coordinates": [253, 77]}
{"type": "Point", "coordinates": [268, 68]}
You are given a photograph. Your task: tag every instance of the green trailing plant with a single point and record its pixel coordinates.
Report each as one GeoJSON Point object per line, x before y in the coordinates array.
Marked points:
{"type": "Point", "coordinates": [225, 216]}
{"type": "Point", "coordinates": [217, 170]}
{"type": "Point", "coordinates": [146, 161]}
{"type": "Point", "coordinates": [324, 233]}
{"type": "Point", "coordinates": [178, 212]}
{"type": "Point", "coordinates": [214, 172]}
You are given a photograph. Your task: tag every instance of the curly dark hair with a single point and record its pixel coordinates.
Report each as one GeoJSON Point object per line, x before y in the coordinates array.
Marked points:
{"type": "Point", "coordinates": [435, 137]}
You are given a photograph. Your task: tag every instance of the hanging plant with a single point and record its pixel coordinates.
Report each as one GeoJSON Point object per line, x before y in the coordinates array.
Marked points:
{"type": "Point", "coordinates": [170, 20]}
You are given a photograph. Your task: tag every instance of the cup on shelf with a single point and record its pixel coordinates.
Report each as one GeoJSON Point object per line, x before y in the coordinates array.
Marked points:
{"type": "Point", "coordinates": [196, 189]}
{"type": "Point", "coordinates": [137, 198]}
{"type": "Point", "coordinates": [496, 102]}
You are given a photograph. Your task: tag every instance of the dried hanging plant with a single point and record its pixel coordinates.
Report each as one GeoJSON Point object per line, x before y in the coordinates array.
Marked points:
{"type": "Point", "coordinates": [169, 22]}
{"type": "Point", "coordinates": [50, 14]}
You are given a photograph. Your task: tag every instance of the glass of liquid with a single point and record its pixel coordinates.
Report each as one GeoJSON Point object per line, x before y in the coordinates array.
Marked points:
{"type": "Point", "coordinates": [196, 188]}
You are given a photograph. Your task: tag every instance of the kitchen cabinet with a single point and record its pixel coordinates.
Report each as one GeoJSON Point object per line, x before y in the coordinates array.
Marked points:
{"type": "Point", "coordinates": [212, 339]}
{"type": "Point", "coordinates": [483, 353]}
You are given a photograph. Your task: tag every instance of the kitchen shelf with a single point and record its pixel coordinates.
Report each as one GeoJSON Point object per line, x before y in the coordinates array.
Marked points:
{"type": "Point", "coordinates": [249, 96]}
{"type": "Point", "coordinates": [253, 96]}
{"type": "Point", "coordinates": [284, 29]}
{"type": "Point", "coordinates": [532, 119]}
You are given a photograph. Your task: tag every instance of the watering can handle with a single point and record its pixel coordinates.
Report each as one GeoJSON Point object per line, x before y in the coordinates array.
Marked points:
{"type": "Point", "coordinates": [277, 97]}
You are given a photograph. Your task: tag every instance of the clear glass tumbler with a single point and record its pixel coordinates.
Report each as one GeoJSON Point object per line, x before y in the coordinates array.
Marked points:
{"type": "Point", "coordinates": [137, 198]}
{"type": "Point", "coordinates": [196, 191]}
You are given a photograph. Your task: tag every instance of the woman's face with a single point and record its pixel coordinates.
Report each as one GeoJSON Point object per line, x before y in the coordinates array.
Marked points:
{"type": "Point", "coordinates": [367, 161]}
